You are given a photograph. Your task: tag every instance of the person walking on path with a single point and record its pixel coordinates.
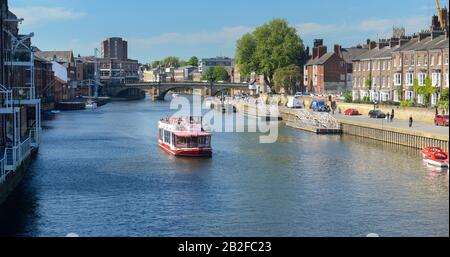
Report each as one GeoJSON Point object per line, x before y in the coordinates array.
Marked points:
{"type": "Point", "coordinates": [410, 121]}
{"type": "Point", "coordinates": [392, 115]}
{"type": "Point", "coordinates": [388, 117]}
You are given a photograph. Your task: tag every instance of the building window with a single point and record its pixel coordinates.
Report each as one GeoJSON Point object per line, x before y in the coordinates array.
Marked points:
{"type": "Point", "coordinates": [409, 95]}
{"type": "Point", "coordinates": [384, 65]}
{"type": "Point", "coordinates": [432, 60]}
{"type": "Point", "coordinates": [434, 99]}
{"type": "Point", "coordinates": [409, 78]}
{"type": "Point", "coordinates": [446, 60]}
{"type": "Point", "coordinates": [439, 60]}
{"type": "Point", "coordinates": [397, 79]}
{"type": "Point", "coordinates": [421, 77]}
{"type": "Point", "coordinates": [420, 99]}
{"type": "Point", "coordinates": [396, 99]}
{"type": "Point", "coordinates": [436, 79]}
{"type": "Point", "coordinates": [446, 79]}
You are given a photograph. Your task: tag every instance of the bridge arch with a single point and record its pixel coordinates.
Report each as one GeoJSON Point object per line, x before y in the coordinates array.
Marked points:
{"type": "Point", "coordinates": [163, 92]}
{"type": "Point", "coordinates": [131, 93]}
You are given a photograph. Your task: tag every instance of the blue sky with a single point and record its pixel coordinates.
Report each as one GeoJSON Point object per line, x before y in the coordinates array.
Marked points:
{"type": "Point", "coordinates": [207, 28]}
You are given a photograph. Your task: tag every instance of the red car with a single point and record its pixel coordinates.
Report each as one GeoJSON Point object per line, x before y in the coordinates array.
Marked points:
{"type": "Point", "coordinates": [351, 112]}
{"type": "Point", "coordinates": [441, 120]}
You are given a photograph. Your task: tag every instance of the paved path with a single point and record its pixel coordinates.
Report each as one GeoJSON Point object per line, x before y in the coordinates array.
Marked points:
{"type": "Point", "coordinates": [417, 126]}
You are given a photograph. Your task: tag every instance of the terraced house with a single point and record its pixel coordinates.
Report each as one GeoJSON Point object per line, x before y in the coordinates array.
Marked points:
{"type": "Point", "coordinates": [388, 71]}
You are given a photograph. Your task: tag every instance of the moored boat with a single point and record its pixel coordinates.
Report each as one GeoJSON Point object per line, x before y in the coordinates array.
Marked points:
{"type": "Point", "coordinates": [439, 160]}
{"type": "Point", "coordinates": [184, 137]}
{"type": "Point", "coordinates": [430, 150]}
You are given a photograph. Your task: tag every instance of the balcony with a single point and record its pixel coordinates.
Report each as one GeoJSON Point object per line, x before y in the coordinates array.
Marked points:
{"type": "Point", "coordinates": [6, 100]}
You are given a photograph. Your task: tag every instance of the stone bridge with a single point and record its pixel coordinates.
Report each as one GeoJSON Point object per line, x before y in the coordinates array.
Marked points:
{"type": "Point", "coordinates": [159, 90]}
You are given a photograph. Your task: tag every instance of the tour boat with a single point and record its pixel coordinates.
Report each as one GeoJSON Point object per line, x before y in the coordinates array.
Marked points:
{"type": "Point", "coordinates": [439, 159]}
{"type": "Point", "coordinates": [430, 150]}
{"type": "Point", "coordinates": [184, 137]}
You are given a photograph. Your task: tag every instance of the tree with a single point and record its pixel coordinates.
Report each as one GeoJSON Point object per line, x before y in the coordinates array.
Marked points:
{"type": "Point", "coordinates": [426, 90]}
{"type": "Point", "coordinates": [443, 103]}
{"type": "Point", "coordinates": [215, 74]}
{"type": "Point", "coordinates": [155, 64]}
{"type": "Point", "coordinates": [288, 78]}
{"type": "Point", "coordinates": [221, 74]}
{"type": "Point", "coordinates": [193, 61]}
{"type": "Point", "coordinates": [270, 47]}
{"type": "Point", "coordinates": [171, 61]}
{"type": "Point", "coordinates": [368, 84]}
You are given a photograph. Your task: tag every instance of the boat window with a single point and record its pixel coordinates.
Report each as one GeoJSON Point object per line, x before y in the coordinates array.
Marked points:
{"type": "Point", "coordinates": [192, 142]}
{"type": "Point", "coordinates": [204, 141]}
{"type": "Point", "coordinates": [167, 137]}
{"type": "Point", "coordinates": [181, 142]}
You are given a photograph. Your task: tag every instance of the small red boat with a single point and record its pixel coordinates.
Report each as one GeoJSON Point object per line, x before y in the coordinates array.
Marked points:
{"type": "Point", "coordinates": [439, 160]}
{"type": "Point", "coordinates": [184, 137]}
{"type": "Point", "coordinates": [431, 150]}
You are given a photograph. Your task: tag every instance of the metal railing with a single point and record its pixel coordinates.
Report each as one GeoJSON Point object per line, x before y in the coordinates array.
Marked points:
{"type": "Point", "coordinates": [14, 156]}
{"type": "Point", "coordinates": [3, 173]}
{"type": "Point", "coordinates": [5, 98]}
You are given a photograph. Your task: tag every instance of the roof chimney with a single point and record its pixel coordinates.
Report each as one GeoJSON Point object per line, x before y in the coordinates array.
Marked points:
{"type": "Point", "coordinates": [338, 50]}
{"type": "Point", "coordinates": [372, 45]}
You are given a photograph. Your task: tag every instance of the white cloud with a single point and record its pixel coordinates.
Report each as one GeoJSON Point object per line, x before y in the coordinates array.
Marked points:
{"type": "Point", "coordinates": [39, 14]}
{"type": "Point", "coordinates": [224, 36]}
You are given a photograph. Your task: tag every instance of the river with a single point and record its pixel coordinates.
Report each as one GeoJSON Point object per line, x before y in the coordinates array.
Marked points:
{"type": "Point", "coordinates": [101, 173]}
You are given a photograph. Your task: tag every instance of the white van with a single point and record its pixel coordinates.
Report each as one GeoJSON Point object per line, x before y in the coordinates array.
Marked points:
{"type": "Point", "coordinates": [296, 103]}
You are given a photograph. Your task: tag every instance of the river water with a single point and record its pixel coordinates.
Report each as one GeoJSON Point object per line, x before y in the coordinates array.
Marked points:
{"type": "Point", "coordinates": [101, 173]}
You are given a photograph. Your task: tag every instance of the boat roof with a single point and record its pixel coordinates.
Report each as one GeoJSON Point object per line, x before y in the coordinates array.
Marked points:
{"type": "Point", "coordinates": [191, 134]}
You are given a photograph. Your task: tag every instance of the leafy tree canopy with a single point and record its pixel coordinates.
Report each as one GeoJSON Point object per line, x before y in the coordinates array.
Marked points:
{"type": "Point", "coordinates": [270, 47]}
{"type": "Point", "coordinates": [215, 74]}
{"type": "Point", "coordinates": [288, 78]}
{"type": "Point", "coordinates": [193, 61]}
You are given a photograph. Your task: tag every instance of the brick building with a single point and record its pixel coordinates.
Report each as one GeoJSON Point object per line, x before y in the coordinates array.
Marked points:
{"type": "Point", "coordinates": [114, 66]}
{"type": "Point", "coordinates": [330, 72]}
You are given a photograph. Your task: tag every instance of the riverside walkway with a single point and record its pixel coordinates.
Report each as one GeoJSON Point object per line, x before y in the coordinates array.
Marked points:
{"type": "Point", "coordinates": [424, 128]}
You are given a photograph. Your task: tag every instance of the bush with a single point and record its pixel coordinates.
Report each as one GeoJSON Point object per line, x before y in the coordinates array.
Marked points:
{"type": "Point", "coordinates": [366, 99]}
{"type": "Point", "coordinates": [407, 104]}
{"type": "Point", "coordinates": [393, 103]}
{"type": "Point", "coordinates": [348, 97]}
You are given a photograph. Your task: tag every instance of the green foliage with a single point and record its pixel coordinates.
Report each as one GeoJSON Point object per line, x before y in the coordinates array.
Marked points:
{"type": "Point", "coordinates": [215, 74]}
{"type": "Point", "coordinates": [366, 99]}
{"type": "Point", "coordinates": [368, 83]}
{"type": "Point", "coordinates": [443, 102]}
{"type": "Point", "coordinates": [193, 61]}
{"type": "Point", "coordinates": [170, 61]}
{"type": "Point", "coordinates": [288, 78]}
{"type": "Point", "coordinates": [270, 47]}
{"type": "Point", "coordinates": [407, 104]}
{"type": "Point", "coordinates": [348, 96]}
{"type": "Point", "coordinates": [426, 90]}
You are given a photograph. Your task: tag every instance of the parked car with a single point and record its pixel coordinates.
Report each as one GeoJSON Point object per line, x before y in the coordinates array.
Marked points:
{"type": "Point", "coordinates": [295, 102]}
{"type": "Point", "coordinates": [377, 114]}
{"type": "Point", "coordinates": [318, 105]}
{"type": "Point", "coordinates": [351, 112]}
{"type": "Point", "coordinates": [441, 120]}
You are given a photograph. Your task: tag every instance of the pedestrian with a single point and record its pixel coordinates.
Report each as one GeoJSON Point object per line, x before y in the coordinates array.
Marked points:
{"type": "Point", "coordinates": [392, 115]}
{"type": "Point", "coordinates": [388, 117]}
{"type": "Point", "coordinates": [410, 121]}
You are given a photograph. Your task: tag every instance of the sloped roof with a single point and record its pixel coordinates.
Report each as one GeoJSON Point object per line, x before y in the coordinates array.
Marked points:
{"type": "Point", "coordinates": [376, 53]}
{"type": "Point", "coordinates": [354, 52]}
{"type": "Point", "coordinates": [58, 56]}
{"type": "Point", "coordinates": [321, 60]}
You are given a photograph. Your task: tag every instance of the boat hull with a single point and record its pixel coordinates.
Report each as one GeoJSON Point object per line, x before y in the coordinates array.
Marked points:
{"type": "Point", "coordinates": [194, 152]}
